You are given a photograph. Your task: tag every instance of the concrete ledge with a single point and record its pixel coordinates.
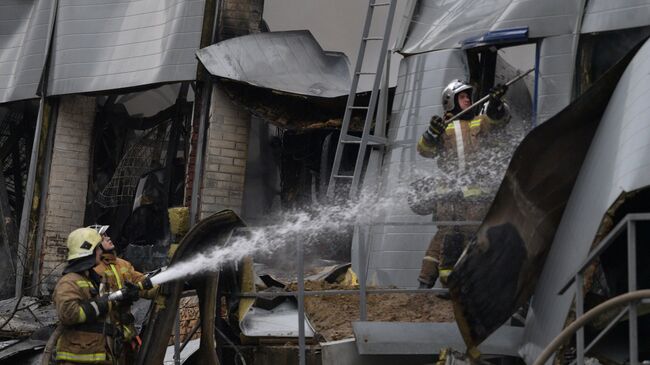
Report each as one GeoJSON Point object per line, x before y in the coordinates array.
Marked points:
{"type": "Point", "coordinates": [387, 338]}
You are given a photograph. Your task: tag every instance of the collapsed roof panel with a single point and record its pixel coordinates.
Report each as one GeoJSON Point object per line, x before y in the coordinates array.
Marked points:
{"type": "Point", "coordinates": [617, 162]}
{"type": "Point", "coordinates": [23, 33]}
{"type": "Point", "coordinates": [104, 45]}
{"type": "Point", "coordinates": [291, 61]}
{"type": "Point", "coordinates": [439, 25]}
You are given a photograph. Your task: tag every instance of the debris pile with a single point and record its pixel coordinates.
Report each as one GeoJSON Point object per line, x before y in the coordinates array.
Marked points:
{"type": "Point", "coordinates": [332, 315]}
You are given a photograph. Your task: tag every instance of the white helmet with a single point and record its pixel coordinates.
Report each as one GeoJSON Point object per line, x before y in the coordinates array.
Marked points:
{"type": "Point", "coordinates": [450, 92]}
{"type": "Point", "coordinates": [99, 228]}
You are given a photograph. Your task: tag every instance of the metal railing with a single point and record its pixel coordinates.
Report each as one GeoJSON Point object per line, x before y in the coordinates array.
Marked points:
{"type": "Point", "coordinates": [362, 232]}
{"type": "Point", "coordinates": [627, 224]}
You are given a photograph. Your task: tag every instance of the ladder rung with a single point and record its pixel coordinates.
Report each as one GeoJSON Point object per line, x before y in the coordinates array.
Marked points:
{"type": "Point", "coordinates": [366, 73]}
{"type": "Point", "coordinates": [380, 4]}
{"type": "Point", "coordinates": [343, 176]}
{"type": "Point", "coordinates": [372, 140]}
{"type": "Point", "coordinates": [373, 39]}
{"type": "Point", "coordinates": [358, 107]}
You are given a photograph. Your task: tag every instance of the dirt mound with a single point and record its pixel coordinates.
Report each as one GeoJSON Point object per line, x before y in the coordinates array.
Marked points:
{"type": "Point", "coordinates": [332, 315]}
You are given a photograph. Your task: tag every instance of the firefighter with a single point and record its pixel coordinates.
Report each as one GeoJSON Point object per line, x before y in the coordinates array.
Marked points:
{"type": "Point", "coordinates": [116, 274]}
{"type": "Point", "coordinates": [461, 195]}
{"type": "Point", "coordinates": [82, 311]}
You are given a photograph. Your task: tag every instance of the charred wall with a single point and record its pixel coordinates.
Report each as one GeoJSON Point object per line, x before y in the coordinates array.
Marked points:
{"type": "Point", "coordinates": [239, 18]}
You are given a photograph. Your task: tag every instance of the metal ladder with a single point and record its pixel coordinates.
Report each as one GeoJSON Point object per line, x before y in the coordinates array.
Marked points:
{"type": "Point", "coordinates": [378, 138]}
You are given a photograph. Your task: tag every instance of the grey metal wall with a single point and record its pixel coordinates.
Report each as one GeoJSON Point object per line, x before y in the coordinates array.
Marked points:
{"type": "Point", "coordinates": [97, 45]}
{"type": "Point", "coordinates": [556, 59]}
{"type": "Point", "coordinates": [443, 24]}
{"type": "Point", "coordinates": [112, 44]}
{"type": "Point", "coordinates": [396, 251]}
{"type": "Point", "coordinates": [24, 28]}
{"type": "Point", "coordinates": [603, 15]}
{"type": "Point", "coordinates": [617, 161]}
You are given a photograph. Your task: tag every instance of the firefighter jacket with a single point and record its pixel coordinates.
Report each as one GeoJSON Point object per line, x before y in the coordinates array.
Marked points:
{"type": "Point", "coordinates": [460, 149]}
{"type": "Point", "coordinates": [114, 272]}
{"type": "Point", "coordinates": [77, 344]}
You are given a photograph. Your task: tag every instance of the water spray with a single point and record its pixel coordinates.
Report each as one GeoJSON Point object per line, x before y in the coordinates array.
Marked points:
{"type": "Point", "coordinates": [321, 221]}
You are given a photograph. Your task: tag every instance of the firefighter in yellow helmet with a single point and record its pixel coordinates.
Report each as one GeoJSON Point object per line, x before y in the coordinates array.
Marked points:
{"type": "Point", "coordinates": [81, 310]}
{"type": "Point", "coordinates": [116, 274]}
{"type": "Point", "coordinates": [456, 197]}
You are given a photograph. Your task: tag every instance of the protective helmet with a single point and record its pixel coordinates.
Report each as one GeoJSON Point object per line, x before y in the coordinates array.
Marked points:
{"type": "Point", "coordinates": [450, 92]}
{"type": "Point", "coordinates": [82, 243]}
{"type": "Point", "coordinates": [99, 228]}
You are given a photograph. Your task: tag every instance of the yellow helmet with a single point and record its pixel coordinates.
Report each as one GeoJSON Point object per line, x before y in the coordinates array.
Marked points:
{"type": "Point", "coordinates": [82, 243]}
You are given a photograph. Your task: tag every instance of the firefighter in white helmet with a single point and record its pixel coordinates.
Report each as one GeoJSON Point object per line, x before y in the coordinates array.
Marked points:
{"type": "Point", "coordinates": [455, 143]}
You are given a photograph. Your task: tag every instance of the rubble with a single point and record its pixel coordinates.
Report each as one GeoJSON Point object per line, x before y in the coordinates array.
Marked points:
{"type": "Point", "coordinates": [332, 315]}
{"type": "Point", "coordinates": [30, 315]}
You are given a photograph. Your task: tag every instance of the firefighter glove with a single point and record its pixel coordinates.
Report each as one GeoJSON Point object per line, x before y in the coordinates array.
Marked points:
{"type": "Point", "coordinates": [146, 284]}
{"type": "Point", "coordinates": [131, 293]}
{"type": "Point", "coordinates": [498, 91]}
{"type": "Point", "coordinates": [94, 308]}
{"type": "Point", "coordinates": [436, 127]}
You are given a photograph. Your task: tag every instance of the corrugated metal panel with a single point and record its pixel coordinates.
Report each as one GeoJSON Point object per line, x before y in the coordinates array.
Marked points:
{"type": "Point", "coordinates": [444, 24]}
{"type": "Point", "coordinates": [23, 38]}
{"type": "Point", "coordinates": [396, 251]}
{"type": "Point", "coordinates": [111, 44]}
{"type": "Point", "coordinates": [555, 75]}
{"type": "Point", "coordinates": [603, 15]}
{"type": "Point", "coordinates": [287, 61]}
{"type": "Point", "coordinates": [617, 162]}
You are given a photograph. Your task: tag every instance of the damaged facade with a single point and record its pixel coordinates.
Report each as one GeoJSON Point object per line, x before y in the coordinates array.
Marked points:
{"type": "Point", "coordinates": [114, 113]}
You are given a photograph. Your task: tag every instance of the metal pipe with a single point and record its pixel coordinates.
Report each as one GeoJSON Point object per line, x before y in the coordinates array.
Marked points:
{"type": "Point", "coordinates": [200, 151]}
{"type": "Point", "coordinates": [631, 281]}
{"type": "Point", "coordinates": [177, 338]}
{"type": "Point", "coordinates": [580, 305]}
{"type": "Point", "coordinates": [301, 304]}
{"type": "Point", "coordinates": [27, 202]}
{"type": "Point", "coordinates": [38, 247]}
{"type": "Point", "coordinates": [586, 318]}
{"type": "Point", "coordinates": [363, 314]}
{"type": "Point", "coordinates": [325, 293]}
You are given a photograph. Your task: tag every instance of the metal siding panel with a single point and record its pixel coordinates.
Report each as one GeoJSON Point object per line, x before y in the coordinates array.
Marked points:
{"type": "Point", "coordinates": [443, 25]}
{"type": "Point", "coordinates": [604, 15]}
{"type": "Point", "coordinates": [396, 251]}
{"type": "Point", "coordinates": [555, 75]}
{"type": "Point", "coordinates": [23, 34]}
{"type": "Point", "coordinates": [103, 45]}
{"type": "Point", "coordinates": [617, 162]}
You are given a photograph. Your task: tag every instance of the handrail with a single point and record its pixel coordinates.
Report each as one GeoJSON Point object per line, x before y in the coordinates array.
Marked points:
{"type": "Point", "coordinates": [584, 319]}
{"type": "Point", "coordinates": [604, 244]}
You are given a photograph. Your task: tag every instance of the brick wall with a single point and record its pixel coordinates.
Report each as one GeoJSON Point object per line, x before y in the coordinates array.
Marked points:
{"type": "Point", "coordinates": [225, 160]}
{"type": "Point", "coordinates": [240, 17]}
{"type": "Point", "coordinates": [66, 192]}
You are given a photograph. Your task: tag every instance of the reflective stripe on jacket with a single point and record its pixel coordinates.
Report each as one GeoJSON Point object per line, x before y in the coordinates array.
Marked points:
{"type": "Point", "coordinates": [74, 345]}
{"type": "Point", "coordinates": [115, 272]}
